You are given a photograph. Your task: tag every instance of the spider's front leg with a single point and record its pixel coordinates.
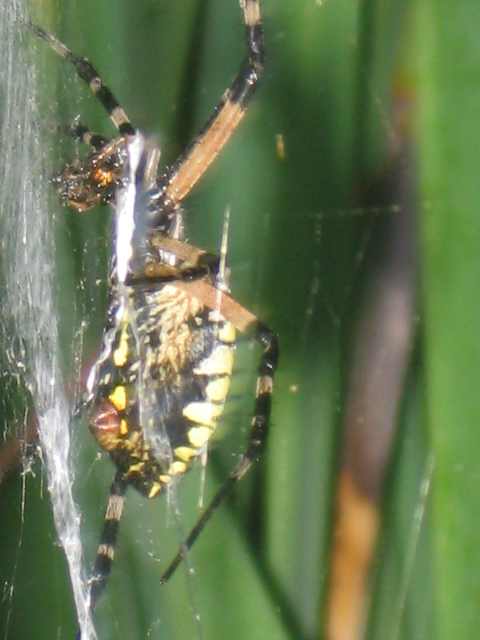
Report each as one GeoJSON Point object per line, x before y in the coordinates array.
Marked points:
{"type": "Point", "coordinates": [228, 113]}
{"type": "Point", "coordinates": [87, 72]}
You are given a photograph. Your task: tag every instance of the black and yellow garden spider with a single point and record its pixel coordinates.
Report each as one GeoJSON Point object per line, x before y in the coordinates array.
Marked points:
{"type": "Point", "coordinates": [158, 387]}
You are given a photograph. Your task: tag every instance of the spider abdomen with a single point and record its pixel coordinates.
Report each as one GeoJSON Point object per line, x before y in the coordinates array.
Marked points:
{"type": "Point", "coordinates": [162, 384]}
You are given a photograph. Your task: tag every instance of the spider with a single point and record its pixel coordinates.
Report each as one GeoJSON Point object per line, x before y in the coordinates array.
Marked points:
{"type": "Point", "coordinates": [158, 387]}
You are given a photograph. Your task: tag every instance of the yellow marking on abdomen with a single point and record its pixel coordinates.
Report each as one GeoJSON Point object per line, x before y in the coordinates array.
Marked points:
{"type": "Point", "coordinates": [138, 467]}
{"type": "Point", "coordinates": [227, 333]}
{"type": "Point", "coordinates": [118, 398]}
{"type": "Point", "coordinates": [219, 362]}
{"type": "Point", "coordinates": [198, 436]}
{"type": "Point", "coordinates": [203, 413]}
{"type": "Point", "coordinates": [216, 390]}
{"type": "Point", "coordinates": [155, 489]}
{"type": "Point", "coordinates": [177, 468]}
{"type": "Point", "coordinates": [185, 453]}
{"type": "Point", "coordinates": [120, 355]}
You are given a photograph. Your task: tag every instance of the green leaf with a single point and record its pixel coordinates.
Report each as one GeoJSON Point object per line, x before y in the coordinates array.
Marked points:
{"type": "Point", "coordinates": [449, 130]}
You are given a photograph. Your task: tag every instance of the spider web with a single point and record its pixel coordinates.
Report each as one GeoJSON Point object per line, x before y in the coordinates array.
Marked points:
{"type": "Point", "coordinates": [29, 327]}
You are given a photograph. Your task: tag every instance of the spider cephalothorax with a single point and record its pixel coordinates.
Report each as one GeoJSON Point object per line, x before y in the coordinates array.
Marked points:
{"type": "Point", "coordinates": [83, 185]}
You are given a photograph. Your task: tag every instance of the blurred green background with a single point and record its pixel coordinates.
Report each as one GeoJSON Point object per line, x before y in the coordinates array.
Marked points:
{"type": "Point", "coordinates": [298, 242]}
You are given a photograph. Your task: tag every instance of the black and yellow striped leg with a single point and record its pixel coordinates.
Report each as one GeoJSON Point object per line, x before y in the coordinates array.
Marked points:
{"type": "Point", "coordinates": [106, 548]}
{"type": "Point", "coordinates": [88, 73]}
{"type": "Point", "coordinates": [227, 114]}
{"type": "Point", "coordinates": [80, 133]}
{"type": "Point", "coordinates": [257, 438]}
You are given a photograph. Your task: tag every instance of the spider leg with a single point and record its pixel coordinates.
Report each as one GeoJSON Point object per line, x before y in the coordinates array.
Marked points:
{"type": "Point", "coordinates": [88, 73]}
{"type": "Point", "coordinates": [106, 549]}
{"type": "Point", "coordinates": [196, 264]}
{"type": "Point", "coordinates": [81, 133]}
{"type": "Point", "coordinates": [226, 116]}
{"type": "Point", "coordinates": [165, 274]}
{"type": "Point", "coordinates": [258, 432]}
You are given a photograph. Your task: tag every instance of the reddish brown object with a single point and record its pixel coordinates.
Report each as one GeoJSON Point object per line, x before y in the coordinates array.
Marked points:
{"type": "Point", "coordinates": [356, 532]}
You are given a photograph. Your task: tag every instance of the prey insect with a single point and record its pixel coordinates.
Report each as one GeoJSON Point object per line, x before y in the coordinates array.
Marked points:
{"type": "Point", "coordinates": [158, 388]}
